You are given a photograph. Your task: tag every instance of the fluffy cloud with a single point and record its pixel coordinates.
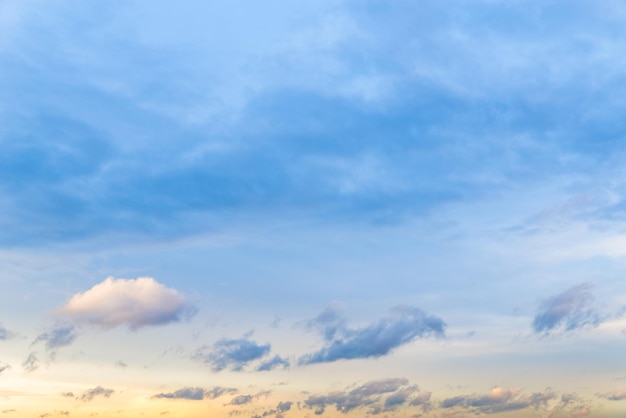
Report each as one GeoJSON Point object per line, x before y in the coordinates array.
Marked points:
{"type": "Point", "coordinates": [370, 394]}
{"type": "Point", "coordinates": [234, 354]}
{"type": "Point", "coordinates": [375, 340]}
{"type": "Point", "coordinates": [57, 336]}
{"type": "Point", "coordinates": [196, 394]}
{"type": "Point", "coordinates": [95, 392]}
{"type": "Point", "coordinates": [134, 302]}
{"type": "Point", "coordinates": [567, 311]}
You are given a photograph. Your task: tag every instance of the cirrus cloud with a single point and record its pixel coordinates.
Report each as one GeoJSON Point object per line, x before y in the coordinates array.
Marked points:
{"type": "Point", "coordinates": [133, 302]}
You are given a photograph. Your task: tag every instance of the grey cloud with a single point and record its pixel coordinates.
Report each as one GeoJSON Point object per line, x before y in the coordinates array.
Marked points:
{"type": "Point", "coordinates": [541, 399]}
{"type": "Point", "coordinates": [31, 363]}
{"type": "Point", "coordinates": [194, 394]}
{"type": "Point", "coordinates": [217, 391]}
{"type": "Point", "coordinates": [567, 311]}
{"type": "Point", "coordinates": [399, 398]}
{"type": "Point", "coordinates": [284, 406]}
{"type": "Point", "coordinates": [95, 392]}
{"type": "Point", "coordinates": [57, 336]}
{"type": "Point", "coordinates": [452, 402]}
{"type": "Point", "coordinates": [234, 354]}
{"type": "Point", "coordinates": [421, 399]}
{"type": "Point", "coordinates": [271, 364]}
{"type": "Point", "coordinates": [375, 340]}
{"type": "Point", "coordinates": [365, 395]}
{"type": "Point", "coordinates": [241, 400]}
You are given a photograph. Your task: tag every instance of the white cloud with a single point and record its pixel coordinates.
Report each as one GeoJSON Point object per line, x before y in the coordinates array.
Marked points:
{"type": "Point", "coordinates": [133, 302]}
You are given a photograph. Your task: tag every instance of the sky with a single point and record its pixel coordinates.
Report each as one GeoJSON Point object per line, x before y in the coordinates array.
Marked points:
{"type": "Point", "coordinates": [332, 208]}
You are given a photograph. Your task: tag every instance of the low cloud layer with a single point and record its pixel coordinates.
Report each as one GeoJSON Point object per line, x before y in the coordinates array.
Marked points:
{"type": "Point", "coordinates": [501, 400]}
{"type": "Point", "coordinates": [132, 302]}
{"type": "Point", "coordinates": [567, 311]}
{"type": "Point", "coordinates": [375, 340]}
{"type": "Point", "coordinates": [379, 395]}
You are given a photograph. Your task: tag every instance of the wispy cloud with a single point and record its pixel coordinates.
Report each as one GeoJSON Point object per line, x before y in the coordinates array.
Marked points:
{"type": "Point", "coordinates": [133, 302]}
{"type": "Point", "coordinates": [273, 363]}
{"type": "Point", "coordinates": [4, 367]}
{"type": "Point", "coordinates": [377, 339]}
{"type": "Point", "coordinates": [567, 311]}
{"type": "Point", "coordinates": [57, 336]}
{"type": "Point", "coordinates": [234, 354]}
{"type": "Point", "coordinates": [241, 400]}
{"type": "Point", "coordinates": [98, 391]}
{"type": "Point", "coordinates": [5, 334]}
{"type": "Point", "coordinates": [196, 393]}
{"type": "Point", "coordinates": [31, 363]}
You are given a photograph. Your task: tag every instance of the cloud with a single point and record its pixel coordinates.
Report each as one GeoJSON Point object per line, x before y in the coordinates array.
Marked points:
{"type": "Point", "coordinates": [95, 392]}
{"type": "Point", "coordinates": [57, 336]}
{"type": "Point", "coordinates": [541, 399]}
{"type": "Point", "coordinates": [375, 340]}
{"type": "Point", "coordinates": [217, 391]}
{"type": "Point", "coordinates": [5, 334]}
{"type": "Point", "coordinates": [567, 311]}
{"type": "Point", "coordinates": [4, 367]}
{"type": "Point", "coordinates": [369, 394]}
{"type": "Point", "coordinates": [499, 400]}
{"type": "Point", "coordinates": [274, 362]}
{"type": "Point", "coordinates": [133, 302]}
{"type": "Point", "coordinates": [241, 400]}
{"type": "Point", "coordinates": [232, 353]}
{"type": "Point", "coordinates": [31, 363]}
{"type": "Point", "coordinates": [284, 406]}
{"type": "Point", "coordinates": [618, 395]}
{"type": "Point", "coordinates": [194, 394]}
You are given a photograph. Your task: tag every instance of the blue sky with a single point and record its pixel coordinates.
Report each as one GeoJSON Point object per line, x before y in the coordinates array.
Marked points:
{"type": "Point", "coordinates": [312, 208]}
